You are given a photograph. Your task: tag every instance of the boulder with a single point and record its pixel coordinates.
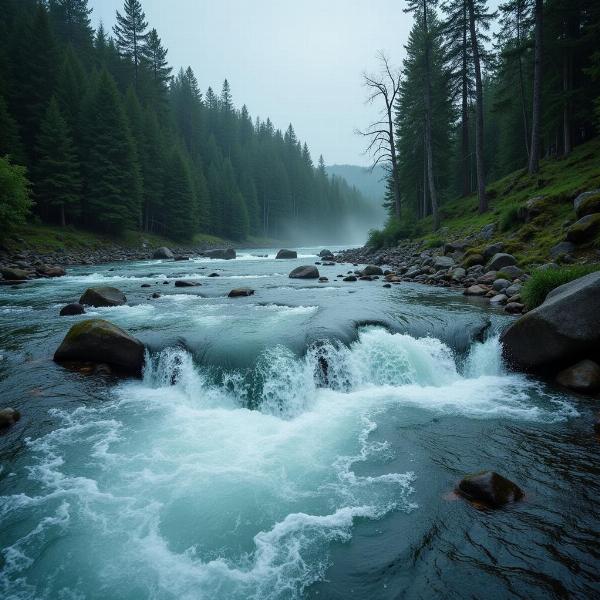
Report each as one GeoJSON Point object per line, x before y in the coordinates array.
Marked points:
{"type": "Point", "coordinates": [460, 246]}
{"type": "Point", "coordinates": [284, 254]}
{"type": "Point", "coordinates": [350, 279]}
{"type": "Point", "coordinates": [561, 249]}
{"type": "Point", "coordinates": [475, 290]}
{"type": "Point", "coordinates": [98, 341]}
{"type": "Point", "coordinates": [50, 271]}
{"type": "Point", "coordinates": [587, 203]}
{"type": "Point", "coordinates": [221, 253]}
{"type": "Point", "coordinates": [501, 260]}
{"type": "Point", "coordinates": [513, 290]}
{"type": "Point", "coordinates": [473, 259]}
{"type": "Point", "coordinates": [305, 272]}
{"type": "Point", "coordinates": [500, 284]}
{"type": "Point", "coordinates": [145, 285]}
{"type": "Point", "coordinates": [565, 328]}
{"type": "Point", "coordinates": [490, 489]}
{"type": "Point", "coordinates": [443, 262]}
{"type": "Point", "coordinates": [512, 271]}
{"type": "Point", "coordinates": [370, 270]}
{"type": "Point", "coordinates": [492, 250]}
{"type": "Point", "coordinates": [514, 308]}
{"type": "Point", "coordinates": [323, 279]}
{"type": "Point", "coordinates": [458, 274]}
{"type": "Point", "coordinates": [103, 296]}
{"type": "Point", "coordinates": [584, 377]}
{"type": "Point", "coordinates": [156, 295]}
{"type": "Point", "coordinates": [214, 275]}
{"type": "Point", "coordinates": [584, 229]}
{"type": "Point", "coordinates": [499, 299]}
{"type": "Point", "coordinates": [181, 258]}
{"type": "Point", "coordinates": [241, 293]}
{"type": "Point", "coordinates": [325, 253]}
{"type": "Point", "coordinates": [8, 417]}
{"type": "Point", "coordinates": [180, 283]}
{"type": "Point", "coordinates": [387, 285]}
{"type": "Point", "coordinates": [487, 231]}
{"type": "Point", "coordinates": [13, 274]}
{"type": "Point", "coordinates": [71, 310]}
{"type": "Point", "coordinates": [162, 253]}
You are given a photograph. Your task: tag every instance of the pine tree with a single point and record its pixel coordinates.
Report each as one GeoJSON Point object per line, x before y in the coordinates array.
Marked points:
{"type": "Point", "coordinates": [179, 201]}
{"type": "Point", "coordinates": [15, 199]}
{"type": "Point", "coordinates": [10, 141]}
{"type": "Point", "coordinates": [131, 35]}
{"type": "Point", "coordinates": [112, 182]}
{"type": "Point", "coordinates": [57, 176]}
{"type": "Point", "coordinates": [72, 23]}
{"type": "Point", "coordinates": [155, 56]}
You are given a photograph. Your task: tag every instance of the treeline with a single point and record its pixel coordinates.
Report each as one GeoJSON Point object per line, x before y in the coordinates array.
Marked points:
{"type": "Point", "coordinates": [481, 94]}
{"type": "Point", "coordinates": [113, 141]}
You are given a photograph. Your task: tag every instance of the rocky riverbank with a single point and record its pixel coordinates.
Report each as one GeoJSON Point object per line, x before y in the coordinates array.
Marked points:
{"type": "Point", "coordinates": [492, 274]}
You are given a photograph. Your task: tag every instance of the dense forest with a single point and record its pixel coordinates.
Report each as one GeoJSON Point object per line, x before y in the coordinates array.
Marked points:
{"type": "Point", "coordinates": [482, 94]}
{"type": "Point", "coordinates": [111, 139]}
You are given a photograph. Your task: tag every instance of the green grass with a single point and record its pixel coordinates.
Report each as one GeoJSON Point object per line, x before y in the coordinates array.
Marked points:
{"type": "Point", "coordinates": [559, 182]}
{"type": "Point", "coordinates": [46, 238]}
{"type": "Point", "coordinates": [542, 282]}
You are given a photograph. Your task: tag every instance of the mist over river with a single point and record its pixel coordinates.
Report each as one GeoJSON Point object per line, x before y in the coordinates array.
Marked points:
{"type": "Point", "coordinates": [299, 443]}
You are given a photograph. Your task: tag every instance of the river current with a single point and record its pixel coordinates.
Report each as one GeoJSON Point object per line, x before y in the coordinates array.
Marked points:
{"type": "Point", "coordinates": [303, 442]}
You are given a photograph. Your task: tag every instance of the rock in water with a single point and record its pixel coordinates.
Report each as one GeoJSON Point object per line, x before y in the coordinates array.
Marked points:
{"type": "Point", "coordinates": [99, 341]}
{"type": "Point", "coordinates": [286, 254]}
{"type": "Point", "coordinates": [326, 253]}
{"type": "Point", "coordinates": [305, 272]}
{"type": "Point", "coordinates": [8, 417]}
{"type": "Point", "coordinates": [50, 271]}
{"type": "Point", "coordinates": [584, 377]}
{"type": "Point", "coordinates": [183, 283]}
{"type": "Point", "coordinates": [371, 270]}
{"type": "Point", "coordinates": [103, 296]}
{"type": "Point", "coordinates": [71, 310]}
{"type": "Point", "coordinates": [14, 274]}
{"type": "Point", "coordinates": [221, 253]}
{"type": "Point", "coordinates": [564, 329]}
{"type": "Point", "coordinates": [163, 252]}
{"type": "Point", "coordinates": [490, 489]}
{"type": "Point", "coordinates": [241, 292]}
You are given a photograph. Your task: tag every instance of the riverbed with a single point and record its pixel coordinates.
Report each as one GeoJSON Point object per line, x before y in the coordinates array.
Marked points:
{"type": "Point", "coordinates": [303, 442]}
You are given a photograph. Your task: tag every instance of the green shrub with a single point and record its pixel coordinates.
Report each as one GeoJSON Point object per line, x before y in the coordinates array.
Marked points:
{"type": "Point", "coordinates": [542, 282]}
{"type": "Point", "coordinates": [15, 201]}
{"type": "Point", "coordinates": [509, 217]}
{"type": "Point", "coordinates": [394, 231]}
{"type": "Point", "coordinates": [434, 242]}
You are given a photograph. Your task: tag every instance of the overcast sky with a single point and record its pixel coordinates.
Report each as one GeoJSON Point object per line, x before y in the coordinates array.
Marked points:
{"type": "Point", "coordinates": [296, 62]}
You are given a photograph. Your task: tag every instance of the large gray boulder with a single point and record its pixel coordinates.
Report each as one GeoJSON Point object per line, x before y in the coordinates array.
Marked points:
{"type": "Point", "coordinates": [326, 253]}
{"type": "Point", "coordinates": [99, 341]}
{"type": "Point", "coordinates": [162, 253]}
{"type": "Point", "coordinates": [305, 272]}
{"type": "Point", "coordinates": [221, 253]}
{"type": "Point", "coordinates": [564, 329]}
{"type": "Point", "coordinates": [501, 260]}
{"type": "Point", "coordinates": [584, 229]}
{"type": "Point", "coordinates": [587, 203]}
{"type": "Point", "coordinates": [103, 296]}
{"type": "Point", "coordinates": [285, 254]}
{"type": "Point", "coordinates": [371, 270]}
{"type": "Point", "coordinates": [443, 262]}
{"type": "Point", "coordinates": [14, 274]}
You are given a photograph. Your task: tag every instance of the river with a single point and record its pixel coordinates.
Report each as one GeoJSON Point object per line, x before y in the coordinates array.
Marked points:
{"type": "Point", "coordinates": [300, 443]}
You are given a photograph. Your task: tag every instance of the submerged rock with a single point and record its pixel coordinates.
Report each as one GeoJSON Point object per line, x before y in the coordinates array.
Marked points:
{"type": "Point", "coordinates": [162, 253]}
{"type": "Point", "coordinates": [490, 489]}
{"type": "Point", "coordinates": [103, 296]}
{"type": "Point", "coordinates": [71, 310]}
{"type": "Point", "coordinates": [565, 328]}
{"type": "Point", "coordinates": [99, 341]}
{"type": "Point", "coordinates": [350, 278]}
{"type": "Point", "coordinates": [285, 254]}
{"type": "Point", "coordinates": [183, 283]}
{"type": "Point", "coordinates": [305, 272]}
{"type": "Point", "coordinates": [475, 290]}
{"type": "Point", "coordinates": [221, 253]}
{"type": "Point", "coordinates": [8, 417]}
{"type": "Point", "coordinates": [584, 377]}
{"type": "Point", "coordinates": [241, 292]}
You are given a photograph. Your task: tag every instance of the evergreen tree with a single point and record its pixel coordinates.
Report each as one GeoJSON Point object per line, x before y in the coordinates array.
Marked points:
{"type": "Point", "coordinates": [72, 22]}
{"type": "Point", "coordinates": [156, 57]}
{"type": "Point", "coordinates": [57, 176]}
{"type": "Point", "coordinates": [179, 201]}
{"type": "Point", "coordinates": [112, 182]}
{"type": "Point", "coordinates": [131, 35]}
{"type": "Point", "coordinates": [15, 199]}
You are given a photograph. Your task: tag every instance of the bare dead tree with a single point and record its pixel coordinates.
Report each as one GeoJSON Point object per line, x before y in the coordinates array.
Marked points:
{"type": "Point", "coordinates": [383, 88]}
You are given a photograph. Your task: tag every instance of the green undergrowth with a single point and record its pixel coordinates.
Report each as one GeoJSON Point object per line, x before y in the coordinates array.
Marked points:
{"type": "Point", "coordinates": [543, 281]}
{"type": "Point", "coordinates": [555, 187]}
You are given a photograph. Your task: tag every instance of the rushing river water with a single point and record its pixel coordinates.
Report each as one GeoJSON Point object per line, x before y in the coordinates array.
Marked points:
{"type": "Point", "coordinates": [300, 443]}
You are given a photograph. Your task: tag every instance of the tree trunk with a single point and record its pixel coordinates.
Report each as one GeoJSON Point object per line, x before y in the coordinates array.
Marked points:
{"type": "Point", "coordinates": [428, 128]}
{"type": "Point", "coordinates": [483, 206]}
{"type": "Point", "coordinates": [522, 88]}
{"type": "Point", "coordinates": [395, 179]}
{"type": "Point", "coordinates": [466, 178]}
{"type": "Point", "coordinates": [63, 220]}
{"type": "Point", "coordinates": [534, 158]}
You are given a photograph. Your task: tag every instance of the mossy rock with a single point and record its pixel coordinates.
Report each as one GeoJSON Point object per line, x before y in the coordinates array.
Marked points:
{"type": "Point", "coordinates": [585, 229]}
{"type": "Point", "coordinates": [98, 341]}
{"type": "Point", "coordinates": [587, 204]}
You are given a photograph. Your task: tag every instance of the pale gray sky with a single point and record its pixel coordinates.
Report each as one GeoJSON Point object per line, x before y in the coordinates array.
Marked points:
{"type": "Point", "coordinates": [298, 62]}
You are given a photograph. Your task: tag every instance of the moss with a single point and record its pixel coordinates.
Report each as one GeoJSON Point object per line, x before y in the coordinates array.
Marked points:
{"type": "Point", "coordinates": [589, 206]}
{"type": "Point", "coordinates": [433, 242]}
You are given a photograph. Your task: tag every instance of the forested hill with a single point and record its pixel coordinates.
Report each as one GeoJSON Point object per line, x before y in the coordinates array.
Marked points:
{"type": "Point", "coordinates": [113, 139]}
